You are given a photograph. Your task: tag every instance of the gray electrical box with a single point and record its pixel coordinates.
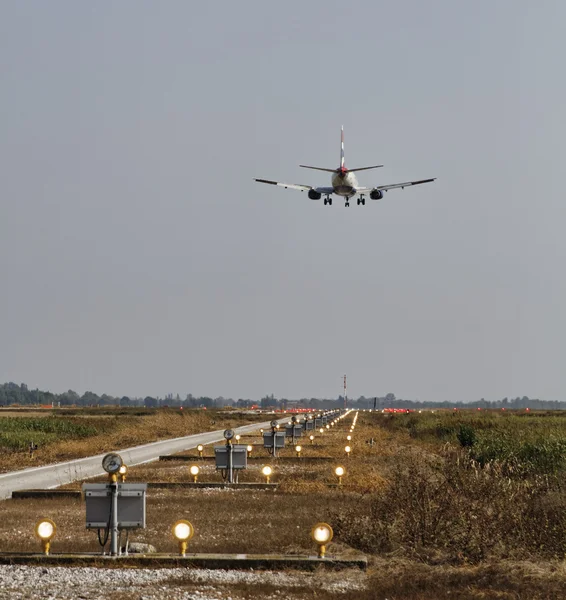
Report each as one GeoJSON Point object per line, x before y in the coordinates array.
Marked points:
{"type": "Point", "coordinates": [318, 423]}
{"type": "Point", "coordinates": [324, 421]}
{"type": "Point", "coordinates": [293, 431]}
{"type": "Point", "coordinates": [279, 439]}
{"type": "Point", "coordinates": [131, 505]}
{"type": "Point", "coordinates": [309, 425]}
{"type": "Point", "coordinates": [239, 456]}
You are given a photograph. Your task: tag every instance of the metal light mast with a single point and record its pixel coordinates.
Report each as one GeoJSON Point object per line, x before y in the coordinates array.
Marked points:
{"type": "Point", "coordinates": [345, 397]}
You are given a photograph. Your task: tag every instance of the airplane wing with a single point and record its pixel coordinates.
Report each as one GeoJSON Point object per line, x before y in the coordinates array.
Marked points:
{"type": "Point", "coordinates": [292, 186]}
{"type": "Point", "coordinates": [393, 186]}
{"type": "Point", "coordinates": [296, 186]}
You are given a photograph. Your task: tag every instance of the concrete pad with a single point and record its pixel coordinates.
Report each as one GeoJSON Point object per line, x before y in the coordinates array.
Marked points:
{"type": "Point", "coordinates": [204, 561]}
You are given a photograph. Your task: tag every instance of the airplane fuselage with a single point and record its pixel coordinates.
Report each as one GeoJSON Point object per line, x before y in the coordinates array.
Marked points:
{"type": "Point", "coordinates": [344, 183]}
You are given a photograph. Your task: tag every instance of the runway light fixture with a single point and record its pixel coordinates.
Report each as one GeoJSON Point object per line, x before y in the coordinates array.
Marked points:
{"type": "Point", "coordinates": [347, 449]}
{"type": "Point", "coordinates": [267, 471]}
{"type": "Point", "coordinates": [340, 473]}
{"type": "Point", "coordinates": [183, 531]}
{"type": "Point", "coordinates": [311, 438]}
{"type": "Point", "coordinates": [249, 450]}
{"type": "Point", "coordinates": [321, 430]}
{"type": "Point", "coordinates": [200, 449]}
{"type": "Point", "coordinates": [328, 427]}
{"type": "Point", "coordinates": [238, 436]}
{"type": "Point", "coordinates": [194, 471]}
{"type": "Point", "coordinates": [349, 437]}
{"type": "Point", "coordinates": [322, 534]}
{"type": "Point", "coordinates": [298, 451]}
{"type": "Point", "coordinates": [45, 531]}
{"type": "Point", "coordinates": [123, 472]}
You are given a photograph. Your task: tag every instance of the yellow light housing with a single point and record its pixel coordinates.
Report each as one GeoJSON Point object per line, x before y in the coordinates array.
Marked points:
{"type": "Point", "coordinates": [183, 531]}
{"type": "Point", "coordinates": [347, 449]}
{"type": "Point", "coordinates": [238, 436]}
{"type": "Point", "coordinates": [298, 450]}
{"type": "Point", "coordinates": [322, 534]}
{"type": "Point", "coordinates": [123, 472]}
{"type": "Point", "coordinates": [194, 471]}
{"type": "Point", "coordinates": [45, 530]}
{"type": "Point", "coordinates": [250, 448]}
{"type": "Point", "coordinates": [267, 471]}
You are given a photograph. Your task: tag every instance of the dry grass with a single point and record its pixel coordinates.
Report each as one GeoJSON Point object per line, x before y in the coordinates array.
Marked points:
{"type": "Point", "coordinates": [123, 431]}
{"type": "Point", "coordinates": [392, 483]}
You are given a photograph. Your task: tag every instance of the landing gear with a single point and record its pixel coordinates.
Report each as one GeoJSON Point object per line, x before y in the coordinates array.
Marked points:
{"type": "Point", "coordinates": [347, 202]}
{"type": "Point", "coordinates": [328, 200]}
{"type": "Point", "coordinates": [361, 200]}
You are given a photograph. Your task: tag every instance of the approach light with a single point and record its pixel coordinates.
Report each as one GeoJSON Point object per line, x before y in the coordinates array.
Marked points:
{"type": "Point", "coordinates": [228, 434]}
{"type": "Point", "coordinates": [347, 449]}
{"type": "Point", "coordinates": [249, 449]}
{"type": "Point", "coordinates": [322, 534]}
{"type": "Point", "coordinates": [298, 451]}
{"type": "Point", "coordinates": [340, 473]}
{"type": "Point", "coordinates": [45, 531]}
{"type": "Point", "coordinates": [311, 438]}
{"type": "Point", "coordinates": [261, 431]}
{"type": "Point", "coordinates": [321, 430]}
{"type": "Point", "coordinates": [200, 448]}
{"type": "Point", "coordinates": [328, 427]}
{"type": "Point", "coordinates": [238, 437]}
{"type": "Point", "coordinates": [194, 471]}
{"type": "Point", "coordinates": [123, 472]}
{"type": "Point", "coordinates": [183, 531]}
{"type": "Point", "coordinates": [267, 471]}
{"type": "Point", "coordinates": [349, 438]}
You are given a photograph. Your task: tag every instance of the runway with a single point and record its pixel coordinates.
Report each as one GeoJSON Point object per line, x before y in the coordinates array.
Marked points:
{"type": "Point", "coordinates": [55, 475]}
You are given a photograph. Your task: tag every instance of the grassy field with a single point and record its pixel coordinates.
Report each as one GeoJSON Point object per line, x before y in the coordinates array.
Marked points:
{"type": "Point", "coordinates": [64, 434]}
{"type": "Point", "coordinates": [437, 516]}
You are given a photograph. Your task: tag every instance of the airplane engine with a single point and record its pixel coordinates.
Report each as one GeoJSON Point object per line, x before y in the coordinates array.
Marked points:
{"type": "Point", "coordinates": [314, 195]}
{"type": "Point", "coordinates": [376, 194]}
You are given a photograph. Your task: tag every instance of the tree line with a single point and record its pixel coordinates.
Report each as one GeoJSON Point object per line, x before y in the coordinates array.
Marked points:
{"type": "Point", "coordinates": [14, 394]}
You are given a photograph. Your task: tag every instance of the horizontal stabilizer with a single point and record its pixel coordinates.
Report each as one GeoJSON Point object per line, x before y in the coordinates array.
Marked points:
{"type": "Point", "coordinates": [365, 168]}
{"type": "Point", "coordinates": [318, 168]}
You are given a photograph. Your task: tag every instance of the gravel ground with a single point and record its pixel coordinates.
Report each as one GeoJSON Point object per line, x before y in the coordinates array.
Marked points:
{"type": "Point", "coordinates": [87, 583]}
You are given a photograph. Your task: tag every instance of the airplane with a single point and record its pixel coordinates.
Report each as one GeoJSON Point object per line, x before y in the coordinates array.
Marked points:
{"type": "Point", "coordinates": [344, 183]}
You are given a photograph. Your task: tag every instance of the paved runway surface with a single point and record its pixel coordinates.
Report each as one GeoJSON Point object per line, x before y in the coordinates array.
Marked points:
{"type": "Point", "coordinates": [52, 476]}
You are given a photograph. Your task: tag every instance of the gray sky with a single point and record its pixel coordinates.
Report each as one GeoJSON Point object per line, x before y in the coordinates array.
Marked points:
{"type": "Point", "coordinates": [137, 256]}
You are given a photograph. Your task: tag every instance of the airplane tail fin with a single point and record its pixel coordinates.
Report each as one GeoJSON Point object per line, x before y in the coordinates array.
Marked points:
{"type": "Point", "coordinates": [342, 148]}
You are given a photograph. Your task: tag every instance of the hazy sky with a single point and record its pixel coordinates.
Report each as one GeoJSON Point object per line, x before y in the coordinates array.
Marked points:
{"type": "Point", "coordinates": [137, 256]}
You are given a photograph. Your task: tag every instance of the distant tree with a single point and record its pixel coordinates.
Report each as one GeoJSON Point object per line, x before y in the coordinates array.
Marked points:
{"type": "Point", "coordinates": [150, 402]}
